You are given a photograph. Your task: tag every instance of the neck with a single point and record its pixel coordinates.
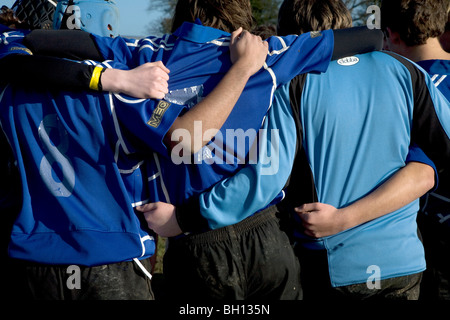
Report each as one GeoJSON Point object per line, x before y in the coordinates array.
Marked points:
{"type": "Point", "coordinates": [431, 50]}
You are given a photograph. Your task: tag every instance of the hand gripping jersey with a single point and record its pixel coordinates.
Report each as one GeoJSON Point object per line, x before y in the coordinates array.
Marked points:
{"type": "Point", "coordinates": [83, 158]}
{"type": "Point", "coordinates": [197, 58]}
{"type": "Point", "coordinates": [352, 150]}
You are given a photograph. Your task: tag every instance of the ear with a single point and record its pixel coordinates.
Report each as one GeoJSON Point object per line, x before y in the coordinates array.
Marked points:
{"type": "Point", "coordinates": [393, 36]}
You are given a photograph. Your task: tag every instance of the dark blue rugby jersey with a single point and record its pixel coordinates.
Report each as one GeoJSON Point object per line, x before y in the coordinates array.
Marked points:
{"type": "Point", "coordinates": [198, 57]}
{"type": "Point", "coordinates": [68, 148]}
{"type": "Point", "coordinates": [437, 203]}
{"type": "Point", "coordinates": [439, 71]}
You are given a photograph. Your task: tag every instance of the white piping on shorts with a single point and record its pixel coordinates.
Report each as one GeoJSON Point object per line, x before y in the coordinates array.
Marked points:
{"type": "Point", "coordinates": [141, 266]}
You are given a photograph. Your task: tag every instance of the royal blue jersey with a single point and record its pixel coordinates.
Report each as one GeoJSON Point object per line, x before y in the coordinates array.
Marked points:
{"type": "Point", "coordinates": [439, 71]}
{"type": "Point", "coordinates": [75, 208]}
{"type": "Point", "coordinates": [198, 57]}
{"type": "Point", "coordinates": [351, 151]}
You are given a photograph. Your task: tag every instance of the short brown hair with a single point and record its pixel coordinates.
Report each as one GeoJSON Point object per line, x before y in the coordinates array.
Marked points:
{"type": "Point", "coordinates": [300, 16]}
{"type": "Point", "coordinates": [9, 19]}
{"type": "Point", "coordinates": [226, 15]}
{"type": "Point", "coordinates": [415, 20]}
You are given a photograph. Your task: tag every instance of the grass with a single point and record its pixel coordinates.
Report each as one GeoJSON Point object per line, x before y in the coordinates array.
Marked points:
{"type": "Point", "coordinates": [160, 249]}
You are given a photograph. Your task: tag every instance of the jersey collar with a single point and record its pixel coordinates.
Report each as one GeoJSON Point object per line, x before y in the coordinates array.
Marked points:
{"type": "Point", "coordinates": [196, 32]}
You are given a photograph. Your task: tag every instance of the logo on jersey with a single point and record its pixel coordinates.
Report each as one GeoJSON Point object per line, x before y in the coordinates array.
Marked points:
{"type": "Point", "coordinates": [157, 115]}
{"type": "Point", "coordinates": [21, 49]}
{"type": "Point", "coordinates": [348, 61]}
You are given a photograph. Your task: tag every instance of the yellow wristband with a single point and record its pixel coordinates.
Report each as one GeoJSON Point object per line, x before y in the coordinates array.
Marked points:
{"type": "Point", "coordinates": [95, 79]}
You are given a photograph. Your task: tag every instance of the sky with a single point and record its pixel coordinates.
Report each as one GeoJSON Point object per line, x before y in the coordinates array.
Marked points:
{"type": "Point", "coordinates": [134, 16]}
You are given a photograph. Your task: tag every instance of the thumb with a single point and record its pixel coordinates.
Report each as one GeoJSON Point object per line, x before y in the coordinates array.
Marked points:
{"type": "Point", "coordinates": [235, 34]}
{"type": "Point", "coordinates": [146, 207]}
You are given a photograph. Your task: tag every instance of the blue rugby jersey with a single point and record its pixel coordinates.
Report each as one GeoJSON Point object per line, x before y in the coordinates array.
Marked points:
{"type": "Point", "coordinates": [437, 203]}
{"type": "Point", "coordinates": [68, 147]}
{"type": "Point", "coordinates": [121, 237]}
{"type": "Point", "coordinates": [352, 151]}
{"type": "Point", "coordinates": [198, 57]}
{"type": "Point", "coordinates": [439, 71]}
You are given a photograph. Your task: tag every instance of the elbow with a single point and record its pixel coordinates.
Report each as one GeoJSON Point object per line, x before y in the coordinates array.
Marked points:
{"type": "Point", "coordinates": [428, 178]}
{"type": "Point", "coordinates": [180, 144]}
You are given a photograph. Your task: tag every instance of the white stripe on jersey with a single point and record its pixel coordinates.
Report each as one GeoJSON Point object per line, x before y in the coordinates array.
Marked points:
{"type": "Point", "coordinates": [221, 42]}
{"type": "Point", "coordinates": [163, 185]}
{"type": "Point", "coordinates": [9, 34]}
{"type": "Point", "coordinates": [437, 83]}
{"type": "Point", "coordinates": [283, 44]}
{"type": "Point", "coordinates": [127, 171]}
{"type": "Point", "coordinates": [155, 46]}
{"type": "Point", "coordinates": [153, 177]}
{"type": "Point", "coordinates": [116, 125]}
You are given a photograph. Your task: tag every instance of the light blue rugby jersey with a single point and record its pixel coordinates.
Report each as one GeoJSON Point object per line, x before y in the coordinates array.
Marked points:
{"type": "Point", "coordinates": [69, 147]}
{"type": "Point", "coordinates": [352, 150]}
{"type": "Point", "coordinates": [198, 57]}
{"type": "Point", "coordinates": [257, 186]}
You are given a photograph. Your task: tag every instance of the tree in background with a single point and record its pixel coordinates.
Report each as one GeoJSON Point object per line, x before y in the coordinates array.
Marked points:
{"type": "Point", "coordinates": [264, 12]}
{"type": "Point", "coordinates": [358, 8]}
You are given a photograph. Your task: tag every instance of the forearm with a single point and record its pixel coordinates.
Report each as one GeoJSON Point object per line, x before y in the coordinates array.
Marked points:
{"type": "Point", "coordinates": [211, 111]}
{"type": "Point", "coordinates": [70, 44]}
{"type": "Point", "coordinates": [45, 69]}
{"type": "Point", "coordinates": [405, 186]}
{"type": "Point", "coordinates": [39, 72]}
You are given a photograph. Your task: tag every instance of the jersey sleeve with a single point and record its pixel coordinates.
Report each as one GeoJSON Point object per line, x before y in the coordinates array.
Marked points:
{"type": "Point", "coordinates": [119, 49]}
{"type": "Point", "coordinates": [11, 42]}
{"type": "Point", "coordinates": [21, 67]}
{"type": "Point", "coordinates": [143, 123]}
{"type": "Point", "coordinates": [309, 52]}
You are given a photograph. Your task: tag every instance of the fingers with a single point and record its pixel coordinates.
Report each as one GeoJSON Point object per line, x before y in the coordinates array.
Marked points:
{"type": "Point", "coordinates": [235, 35]}
{"type": "Point", "coordinates": [308, 207]}
{"type": "Point", "coordinates": [161, 65]}
{"type": "Point", "coordinates": [147, 207]}
{"type": "Point", "coordinates": [159, 77]}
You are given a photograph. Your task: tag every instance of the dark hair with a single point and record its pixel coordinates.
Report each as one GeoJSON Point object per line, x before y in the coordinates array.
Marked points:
{"type": "Point", "coordinates": [226, 15]}
{"type": "Point", "coordinates": [9, 19]}
{"type": "Point", "coordinates": [415, 20]}
{"type": "Point", "coordinates": [265, 31]}
{"type": "Point", "coordinates": [300, 16]}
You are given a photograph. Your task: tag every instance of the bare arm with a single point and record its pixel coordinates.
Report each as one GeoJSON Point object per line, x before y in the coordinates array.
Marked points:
{"type": "Point", "coordinates": [248, 54]}
{"type": "Point", "coordinates": [146, 81]}
{"type": "Point", "coordinates": [405, 186]}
